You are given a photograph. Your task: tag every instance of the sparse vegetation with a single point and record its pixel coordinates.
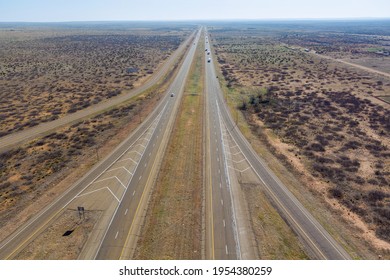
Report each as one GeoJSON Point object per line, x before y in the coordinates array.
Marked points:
{"type": "Point", "coordinates": [36, 172]}
{"type": "Point", "coordinates": [32, 169]}
{"type": "Point", "coordinates": [51, 71]}
{"type": "Point", "coordinates": [327, 116]}
{"type": "Point", "coordinates": [61, 245]}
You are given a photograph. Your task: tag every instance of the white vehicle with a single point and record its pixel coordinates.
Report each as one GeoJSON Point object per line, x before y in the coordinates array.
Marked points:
{"type": "Point", "coordinates": [209, 60]}
{"type": "Point", "coordinates": [172, 94]}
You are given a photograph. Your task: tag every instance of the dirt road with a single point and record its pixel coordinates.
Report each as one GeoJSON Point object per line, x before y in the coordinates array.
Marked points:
{"type": "Point", "coordinates": [17, 138]}
{"type": "Point", "coordinates": [355, 65]}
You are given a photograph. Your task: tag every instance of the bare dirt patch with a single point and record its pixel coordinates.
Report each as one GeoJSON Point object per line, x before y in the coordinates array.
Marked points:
{"type": "Point", "coordinates": [63, 240]}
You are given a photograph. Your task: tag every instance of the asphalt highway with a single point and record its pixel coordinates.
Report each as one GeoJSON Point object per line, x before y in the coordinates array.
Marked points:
{"type": "Point", "coordinates": [117, 185]}
{"type": "Point", "coordinates": [9, 141]}
{"type": "Point", "coordinates": [120, 184]}
{"type": "Point", "coordinates": [115, 242]}
{"type": "Point", "coordinates": [315, 238]}
{"type": "Point", "coordinates": [222, 234]}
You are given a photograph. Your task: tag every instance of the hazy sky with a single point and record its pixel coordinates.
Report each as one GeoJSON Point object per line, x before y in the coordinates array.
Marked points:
{"type": "Point", "coordinates": [91, 10]}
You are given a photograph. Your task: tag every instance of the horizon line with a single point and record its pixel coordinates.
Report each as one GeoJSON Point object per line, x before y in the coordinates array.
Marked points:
{"type": "Point", "coordinates": [202, 20]}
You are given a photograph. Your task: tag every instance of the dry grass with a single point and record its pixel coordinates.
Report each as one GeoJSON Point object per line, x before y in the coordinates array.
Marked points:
{"type": "Point", "coordinates": [174, 220]}
{"type": "Point", "coordinates": [274, 238]}
{"type": "Point", "coordinates": [48, 72]}
{"type": "Point", "coordinates": [324, 123]}
{"type": "Point", "coordinates": [366, 49]}
{"type": "Point", "coordinates": [34, 174]}
{"type": "Point", "coordinates": [53, 245]}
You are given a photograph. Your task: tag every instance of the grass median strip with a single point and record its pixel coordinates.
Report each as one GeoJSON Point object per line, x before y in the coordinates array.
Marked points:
{"type": "Point", "coordinates": [173, 226]}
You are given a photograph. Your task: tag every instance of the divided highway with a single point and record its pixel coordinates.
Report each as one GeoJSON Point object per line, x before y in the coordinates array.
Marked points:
{"type": "Point", "coordinates": [316, 239]}
{"type": "Point", "coordinates": [118, 186]}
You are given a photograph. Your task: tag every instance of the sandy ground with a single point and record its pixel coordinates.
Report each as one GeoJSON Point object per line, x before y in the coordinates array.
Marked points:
{"type": "Point", "coordinates": [320, 187]}
{"type": "Point", "coordinates": [53, 245]}
{"type": "Point", "coordinates": [249, 67]}
{"type": "Point", "coordinates": [75, 170]}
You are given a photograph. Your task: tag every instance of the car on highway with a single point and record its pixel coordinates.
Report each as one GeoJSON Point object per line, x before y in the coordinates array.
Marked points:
{"type": "Point", "coordinates": [209, 60]}
{"type": "Point", "coordinates": [172, 94]}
